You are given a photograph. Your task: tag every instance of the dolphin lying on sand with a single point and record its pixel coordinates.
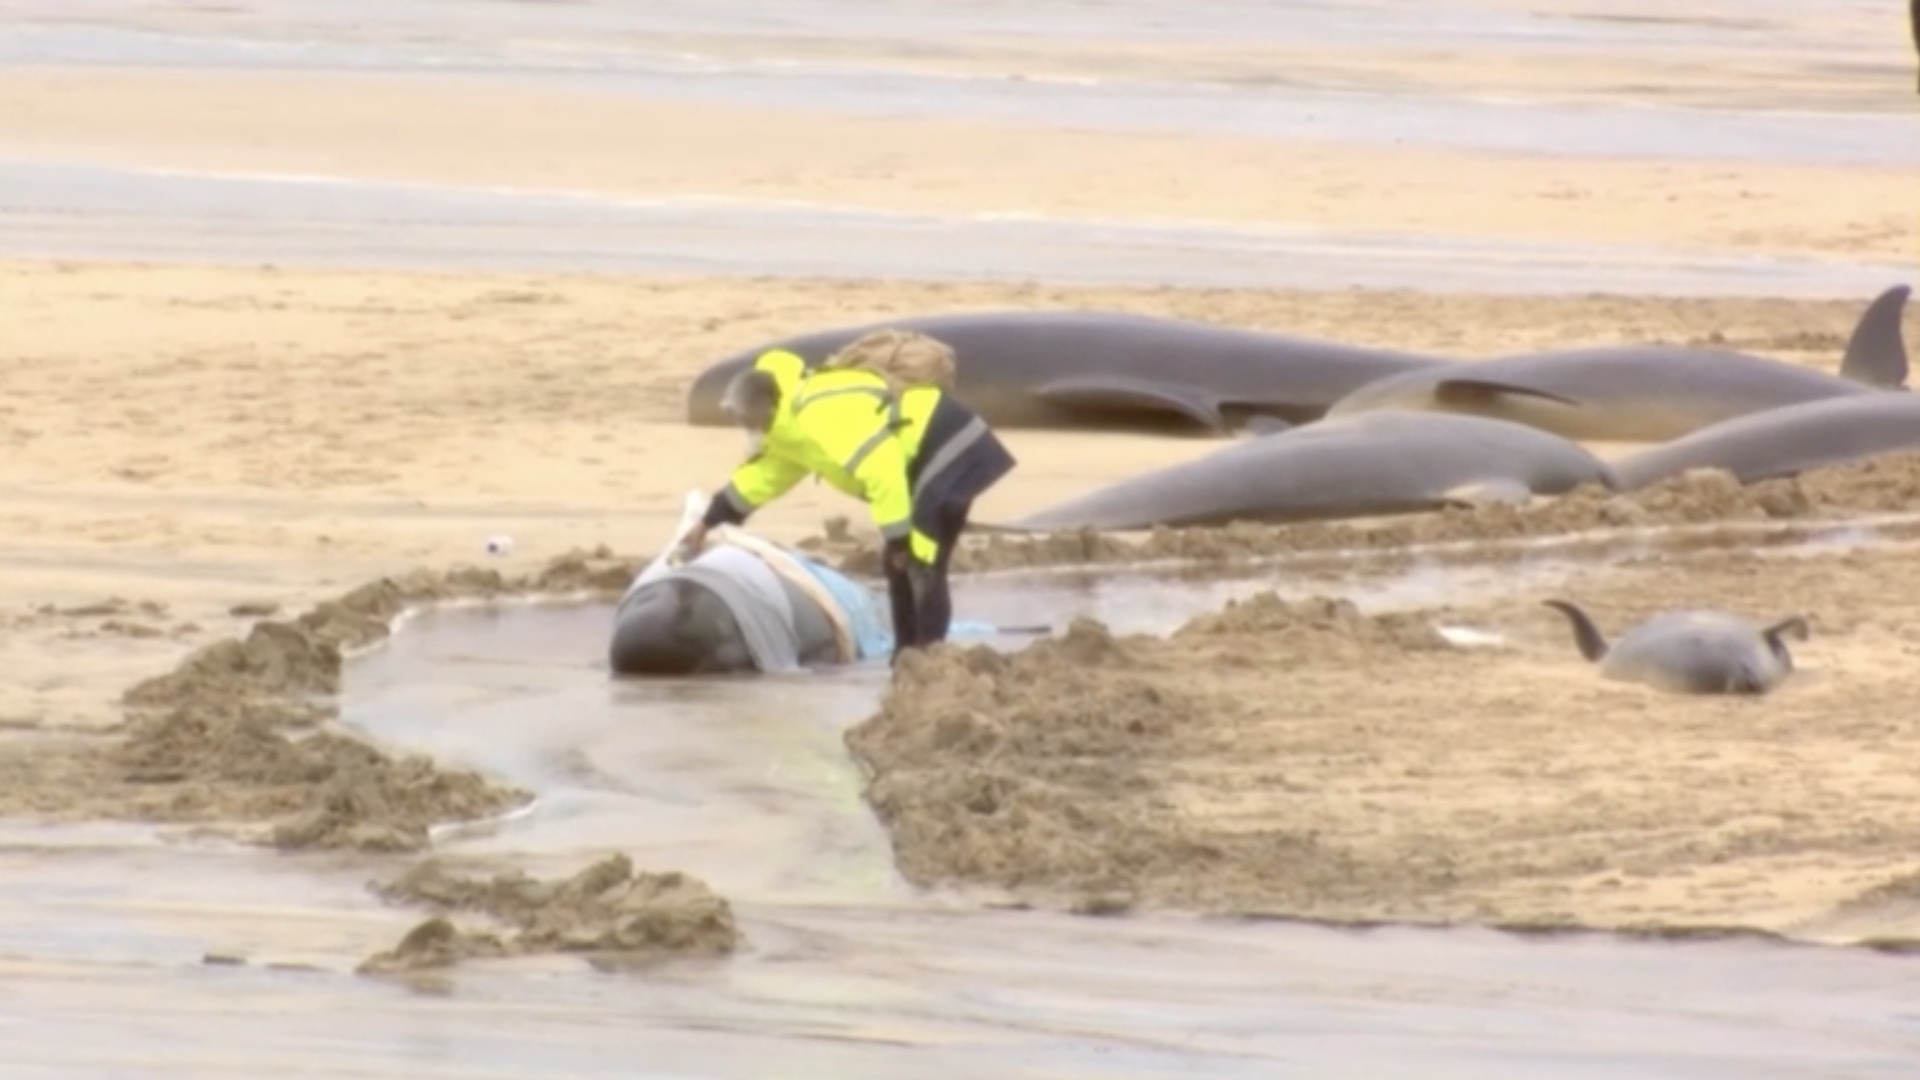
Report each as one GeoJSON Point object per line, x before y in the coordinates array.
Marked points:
{"type": "Point", "coordinates": [1643, 393]}
{"type": "Point", "coordinates": [745, 604]}
{"type": "Point", "coordinates": [1691, 652]}
{"type": "Point", "coordinates": [1784, 442]}
{"type": "Point", "coordinates": [732, 610]}
{"type": "Point", "coordinates": [1092, 369]}
{"type": "Point", "coordinates": [1376, 463]}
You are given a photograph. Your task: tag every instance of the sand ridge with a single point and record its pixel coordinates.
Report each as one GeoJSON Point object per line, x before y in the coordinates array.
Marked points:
{"type": "Point", "coordinates": [616, 917]}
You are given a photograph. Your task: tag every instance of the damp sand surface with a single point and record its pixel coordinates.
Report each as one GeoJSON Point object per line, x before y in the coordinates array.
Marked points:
{"type": "Point", "coordinates": [841, 968]}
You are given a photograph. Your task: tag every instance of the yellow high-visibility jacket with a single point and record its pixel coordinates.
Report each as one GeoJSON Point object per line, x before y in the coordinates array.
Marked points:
{"type": "Point", "coordinates": [846, 426]}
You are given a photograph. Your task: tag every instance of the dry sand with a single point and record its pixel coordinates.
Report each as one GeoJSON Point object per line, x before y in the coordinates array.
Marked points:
{"type": "Point", "coordinates": [205, 467]}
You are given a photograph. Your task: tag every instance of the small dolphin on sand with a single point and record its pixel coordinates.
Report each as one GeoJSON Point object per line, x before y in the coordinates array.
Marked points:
{"type": "Point", "coordinates": [1691, 652]}
{"type": "Point", "coordinates": [1094, 369]}
{"type": "Point", "coordinates": [1785, 441]}
{"type": "Point", "coordinates": [1377, 463]}
{"type": "Point", "coordinates": [1644, 393]}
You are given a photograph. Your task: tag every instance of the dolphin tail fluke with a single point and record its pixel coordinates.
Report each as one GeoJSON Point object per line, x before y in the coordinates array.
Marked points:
{"type": "Point", "coordinates": [1467, 392]}
{"type": "Point", "coordinates": [1877, 352]}
{"type": "Point", "coordinates": [1108, 394]}
{"type": "Point", "coordinates": [1585, 634]}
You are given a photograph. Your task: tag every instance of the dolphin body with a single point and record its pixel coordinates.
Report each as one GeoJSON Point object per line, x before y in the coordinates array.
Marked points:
{"type": "Point", "coordinates": [1356, 466]}
{"type": "Point", "coordinates": [1107, 370]}
{"type": "Point", "coordinates": [1691, 652]}
{"type": "Point", "coordinates": [1643, 393]}
{"type": "Point", "coordinates": [724, 612]}
{"type": "Point", "coordinates": [1785, 441]}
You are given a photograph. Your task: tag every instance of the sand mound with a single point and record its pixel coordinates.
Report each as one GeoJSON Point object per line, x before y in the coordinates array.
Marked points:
{"type": "Point", "coordinates": [1043, 771]}
{"type": "Point", "coordinates": [240, 731]}
{"type": "Point", "coordinates": [1887, 484]}
{"type": "Point", "coordinates": [606, 912]}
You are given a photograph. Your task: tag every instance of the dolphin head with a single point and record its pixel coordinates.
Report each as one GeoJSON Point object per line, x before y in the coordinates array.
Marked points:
{"type": "Point", "coordinates": [676, 627]}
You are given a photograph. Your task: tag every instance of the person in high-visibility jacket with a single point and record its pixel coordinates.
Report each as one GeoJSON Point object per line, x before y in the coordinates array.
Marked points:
{"type": "Point", "coordinates": [918, 458]}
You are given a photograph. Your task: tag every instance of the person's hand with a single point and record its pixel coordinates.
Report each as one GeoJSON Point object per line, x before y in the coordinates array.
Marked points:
{"type": "Point", "coordinates": [895, 556]}
{"type": "Point", "coordinates": [691, 544]}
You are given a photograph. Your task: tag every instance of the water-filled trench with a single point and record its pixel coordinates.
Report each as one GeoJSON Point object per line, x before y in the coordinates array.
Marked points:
{"type": "Point", "coordinates": [846, 971]}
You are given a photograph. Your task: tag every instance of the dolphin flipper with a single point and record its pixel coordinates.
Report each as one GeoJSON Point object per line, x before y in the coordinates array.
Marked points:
{"type": "Point", "coordinates": [1470, 391]}
{"type": "Point", "coordinates": [1877, 352]}
{"type": "Point", "coordinates": [1586, 636]}
{"type": "Point", "coordinates": [1098, 393]}
{"type": "Point", "coordinates": [1795, 627]}
{"type": "Point", "coordinates": [1502, 490]}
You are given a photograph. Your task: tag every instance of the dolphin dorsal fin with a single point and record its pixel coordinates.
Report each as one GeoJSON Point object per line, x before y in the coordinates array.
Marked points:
{"type": "Point", "coordinates": [1877, 352]}
{"type": "Point", "coordinates": [1585, 634]}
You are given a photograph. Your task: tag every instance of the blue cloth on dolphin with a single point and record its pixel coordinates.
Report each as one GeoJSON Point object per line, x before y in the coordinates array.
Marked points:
{"type": "Point", "coordinates": [868, 619]}
{"type": "Point", "coordinates": [871, 628]}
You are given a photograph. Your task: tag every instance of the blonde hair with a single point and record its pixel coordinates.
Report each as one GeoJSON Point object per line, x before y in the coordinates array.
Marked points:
{"type": "Point", "coordinates": [903, 357]}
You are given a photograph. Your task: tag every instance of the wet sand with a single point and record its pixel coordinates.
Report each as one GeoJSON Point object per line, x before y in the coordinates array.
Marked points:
{"type": "Point", "coordinates": [411, 128]}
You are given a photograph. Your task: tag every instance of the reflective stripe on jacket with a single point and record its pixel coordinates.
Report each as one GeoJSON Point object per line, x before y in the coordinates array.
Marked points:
{"type": "Point", "coordinates": [842, 424]}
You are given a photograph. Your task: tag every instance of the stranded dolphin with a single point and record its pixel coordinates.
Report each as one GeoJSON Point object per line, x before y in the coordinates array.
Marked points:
{"type": "Point", "coordinates": [1646, 393]}
{"type": "Point", "coordinates": [731, 611]}
{"type": "Point", "coordinates": [1377, 463]}
{"type": "Point", "coordinates": [747, 605]}
{"type": "Point", "coordinates": [1092, 369]}
{"type": "Point", "coordinates": [1785, 441]}
{"type": "Point", "coordinates": [1691, 652]}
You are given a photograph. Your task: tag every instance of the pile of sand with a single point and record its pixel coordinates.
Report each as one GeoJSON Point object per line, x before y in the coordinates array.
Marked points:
{"type": "Point", "coordinates": [607, 913]}
{"type": "Point", "coordinates": [1046, 769]}
{"type": "Point", "coordinates": [242, 731]}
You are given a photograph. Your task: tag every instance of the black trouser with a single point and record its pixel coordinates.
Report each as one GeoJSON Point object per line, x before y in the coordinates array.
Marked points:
{"type": "Point", "coordinates": [922, 602]}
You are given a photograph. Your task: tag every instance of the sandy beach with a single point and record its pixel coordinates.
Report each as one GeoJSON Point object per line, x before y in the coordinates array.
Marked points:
{"type": "Point", "coordinates": [222, 482]}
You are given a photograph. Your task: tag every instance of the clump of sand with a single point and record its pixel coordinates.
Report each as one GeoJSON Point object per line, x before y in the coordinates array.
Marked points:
{"type": "Point", "coordinates": [1043, 771]}
{"type": "Point", "coordinates": [1884, 484]}
{"type": "Point", "coordinates": [241, 731]}
{"type": "Point", "coordinates": [607, 913]}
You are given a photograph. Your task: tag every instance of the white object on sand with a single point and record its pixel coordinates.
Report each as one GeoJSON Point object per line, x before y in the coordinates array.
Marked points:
{"type": "Point", "coordinates": [500, 544]}
{"type": "Point", "coordinates": [1468, 637]}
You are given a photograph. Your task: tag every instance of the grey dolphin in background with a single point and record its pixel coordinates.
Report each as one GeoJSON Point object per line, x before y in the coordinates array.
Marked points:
{"type": "Point", "coordinates": [1783, 442]}
{"type": "Point", "coordinates": [723, 613]}
{"type": "Point", "coordinates": [1093, 369]}
{"type": "Point", "coordinates": [1691, 652]}
{"type": "Point", "coordinates": [1377, 463]}
{"type": "Point", "coordinates": [1644, 393]}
